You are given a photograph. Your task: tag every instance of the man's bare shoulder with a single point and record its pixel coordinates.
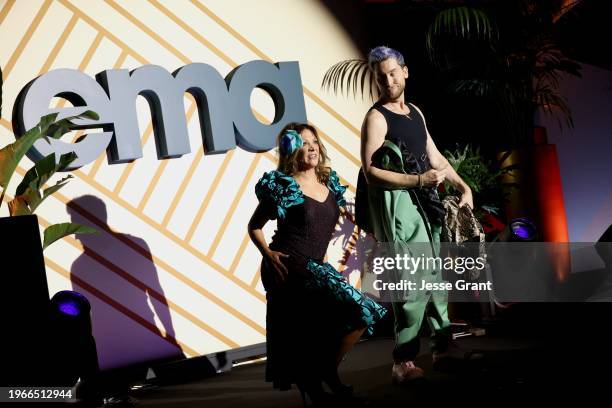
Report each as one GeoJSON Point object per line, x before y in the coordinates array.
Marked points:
{"type": "Point", "coordinates": [374, 117]}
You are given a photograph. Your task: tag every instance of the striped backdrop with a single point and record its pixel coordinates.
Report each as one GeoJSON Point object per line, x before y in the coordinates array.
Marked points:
{"type": "Point", "coordinates": [172, 270]}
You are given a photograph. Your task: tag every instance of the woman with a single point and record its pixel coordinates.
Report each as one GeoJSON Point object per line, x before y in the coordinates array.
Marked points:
{"type": "Point", "coordinates": [313, 315]}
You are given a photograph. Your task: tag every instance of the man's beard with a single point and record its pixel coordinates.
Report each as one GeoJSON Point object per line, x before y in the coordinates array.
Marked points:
{"type": "Point", "coordinates": [397, 92]}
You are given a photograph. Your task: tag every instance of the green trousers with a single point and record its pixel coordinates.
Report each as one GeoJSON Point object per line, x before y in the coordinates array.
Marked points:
{"type": "Point", "coordinates": [420, 305]}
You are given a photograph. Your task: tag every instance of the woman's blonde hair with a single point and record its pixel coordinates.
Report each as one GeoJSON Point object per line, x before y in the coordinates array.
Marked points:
{"type": "Point", "coordinates": [289, 165]}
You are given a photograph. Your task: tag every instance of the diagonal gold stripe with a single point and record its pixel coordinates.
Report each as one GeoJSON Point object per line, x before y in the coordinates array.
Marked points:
{"type": "Point", "coordinates": [25, 39]}
{"type": "Point", "coordinates": [270, 156]}
{"type": "Point", "coordinates": [341, 149]}
{"type": "Point", "coordinates": [243, 244]}
{"type": "Point", "coordinates": [78, 134]}
{"type": "Point", "coordinates": [161, 168]}
{"type": "Point", "coordinates": [209, 195]}
{"type": "Point", "coordinates": [148, 31]}
{"type": "Point", "coordinates": [130, 166]}
{"type": "Point", "coordinates": [147, 195]}
{"type": "Point", "coordinates": [96, 167]}
{"type": "Point", "coordinates": [194, 33]}
{"type": "Point", "coordinates": [332, 112]}
{"type": "Point", "coordinates": [263, 56]}
{"type": "Point", "coordinates": [5, 9]}
{"type": "Point", "coordinates": [119, 307]}
{"type": "Point", "coordinates": [90, 52]}
{"type": "Point", "coordinates": [172, 237]}
{"type": "Point", "coordinates": [144, 288]}
{"type": "Point", "coordinates": [6, 124]}
{"type": "Point", "coordinates": [59, 44]}
{"type": "Point", "coordinates": [101, 29]}
{"type": "Point", "coordinates": [232, 208]}
{"type": "Point", "coordinates": [179, 194]}
{"type": "Point", "coordinates": [256, 277]}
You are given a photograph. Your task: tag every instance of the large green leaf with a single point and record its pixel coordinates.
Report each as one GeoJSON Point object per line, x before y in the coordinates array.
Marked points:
{"type": "Point", "coordinates": [11, 155]}
{"type": "Point", "coordinates": [29, 190]}
{"type": "Point", "coordinates": [19, 206]}
{"type": "Point", "coordinates": [59, 231]}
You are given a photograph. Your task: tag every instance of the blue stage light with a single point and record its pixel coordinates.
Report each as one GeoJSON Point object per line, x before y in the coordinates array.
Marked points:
{"type": "Point", "coordinates": [523, 229]}
{"type": "Point", "coordinates": [71, 303]}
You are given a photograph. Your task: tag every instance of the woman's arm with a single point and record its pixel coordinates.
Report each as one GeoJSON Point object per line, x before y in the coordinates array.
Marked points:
{"type": "Point", "coordinates": [259, 218]}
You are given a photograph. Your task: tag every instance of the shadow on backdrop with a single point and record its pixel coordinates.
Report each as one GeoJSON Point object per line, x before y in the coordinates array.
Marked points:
{"type": "Point", "coordinates": [120, 268]}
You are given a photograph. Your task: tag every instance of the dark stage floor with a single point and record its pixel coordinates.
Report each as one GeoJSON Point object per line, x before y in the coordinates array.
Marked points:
{"type": "Point", "coordinates": [537, 354]}
{"type": "Point", "coordinates": [517, 370]}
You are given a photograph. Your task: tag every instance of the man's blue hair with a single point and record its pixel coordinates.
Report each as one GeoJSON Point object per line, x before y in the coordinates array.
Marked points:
{"type": "Point", "coordinates": [382, 53]}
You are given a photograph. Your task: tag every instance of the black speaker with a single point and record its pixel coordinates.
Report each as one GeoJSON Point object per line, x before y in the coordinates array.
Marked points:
{"type": "Point", "coordinates": [24, 302]}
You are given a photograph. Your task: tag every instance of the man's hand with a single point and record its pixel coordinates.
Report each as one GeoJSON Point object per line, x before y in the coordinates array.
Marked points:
{"type": "Point", "coordinates": [466, 199]}
{"type": "Point", "coordinates": [431, 178]}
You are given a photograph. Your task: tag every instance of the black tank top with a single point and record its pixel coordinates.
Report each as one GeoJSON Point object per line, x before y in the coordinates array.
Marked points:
{"type": "Point", "coordinates": [407, 130]}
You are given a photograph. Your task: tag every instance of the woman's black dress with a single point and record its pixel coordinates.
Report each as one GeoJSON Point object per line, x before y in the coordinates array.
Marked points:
{"type": "Point", "coordinates": [315, 306]}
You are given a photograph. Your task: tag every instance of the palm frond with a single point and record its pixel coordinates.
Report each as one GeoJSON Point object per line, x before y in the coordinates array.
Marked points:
{"type": "Point", "coordinates": [459, 22]}
{"type": "Point", "coordinates": [554, 104]}
{"type": "Point", "coordinates": [347, 75]}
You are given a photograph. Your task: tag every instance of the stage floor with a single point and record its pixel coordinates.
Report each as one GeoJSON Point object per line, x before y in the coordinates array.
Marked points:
{"type": "Point", "coordinates": [518, 369]}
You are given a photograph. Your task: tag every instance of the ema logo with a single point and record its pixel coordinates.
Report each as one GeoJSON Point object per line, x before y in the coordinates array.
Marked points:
{"type": "Point", "coordinates": [224, 108]}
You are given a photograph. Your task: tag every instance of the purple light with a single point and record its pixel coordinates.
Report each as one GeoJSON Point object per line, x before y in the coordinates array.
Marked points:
{"type": "Point", "coordinates": [70, 303]}
{"type": "Point", "coordinates": [69, 308]}
{"type": "Point", "coordinates": [523, 228]}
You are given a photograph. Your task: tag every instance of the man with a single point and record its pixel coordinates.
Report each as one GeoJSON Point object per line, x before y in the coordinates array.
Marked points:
{"type": "Point", "coordinates": [392, 119]}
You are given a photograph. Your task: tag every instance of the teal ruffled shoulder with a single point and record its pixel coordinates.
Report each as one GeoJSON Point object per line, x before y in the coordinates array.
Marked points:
{"type": "Point", "coordinates": [280, 189]}
{"type": "Point", "coordinates": [361, 310]}
{"type": "Point", "coordinates": [335, 187]}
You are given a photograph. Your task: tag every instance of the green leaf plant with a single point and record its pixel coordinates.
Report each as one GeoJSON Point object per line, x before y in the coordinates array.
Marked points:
{"type": "Point", "coordinates": [33, 189]}
{"type": "Point", "coordinates": [482, 176]}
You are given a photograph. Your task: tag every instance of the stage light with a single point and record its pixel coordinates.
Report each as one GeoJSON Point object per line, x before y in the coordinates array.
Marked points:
{"type": "Point", "coordinates": [70, 303]}
{"type": "Point", "coordinates": [73, 353]}
{"type": "Point", "coordinates": [523, 229]}
{"type": "Point", "coordinates": [518, 230]}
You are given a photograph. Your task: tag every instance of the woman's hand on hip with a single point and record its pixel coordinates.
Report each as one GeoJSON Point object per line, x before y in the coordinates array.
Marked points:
{"type": "Point", "coordinates": [274, 257]}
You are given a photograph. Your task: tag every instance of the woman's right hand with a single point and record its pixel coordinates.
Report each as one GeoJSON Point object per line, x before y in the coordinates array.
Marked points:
{"type": "Point", "coordinates": [431, 178]}
{"type": "Point", "coordinates": [274, 257]}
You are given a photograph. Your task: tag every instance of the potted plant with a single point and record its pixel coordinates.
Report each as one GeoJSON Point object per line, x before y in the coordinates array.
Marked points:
{"type": "Point", "coordinates": [25, 302]}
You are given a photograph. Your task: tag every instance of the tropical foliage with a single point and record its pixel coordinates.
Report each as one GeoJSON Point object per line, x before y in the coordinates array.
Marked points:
{"type": "Point", "coordinates": [483, 177]}
{"type": "Point", "coordinates": [33, 189]}
{"type": "Point", "coordinates": [505, 52]}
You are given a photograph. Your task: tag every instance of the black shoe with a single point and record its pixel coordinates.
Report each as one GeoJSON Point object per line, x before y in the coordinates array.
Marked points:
{"type": "Point", "coordinates": [314, 396]}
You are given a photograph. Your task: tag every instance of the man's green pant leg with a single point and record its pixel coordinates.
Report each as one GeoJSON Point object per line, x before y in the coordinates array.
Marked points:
{"type": "Point", "coordinates": [409, 316]}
